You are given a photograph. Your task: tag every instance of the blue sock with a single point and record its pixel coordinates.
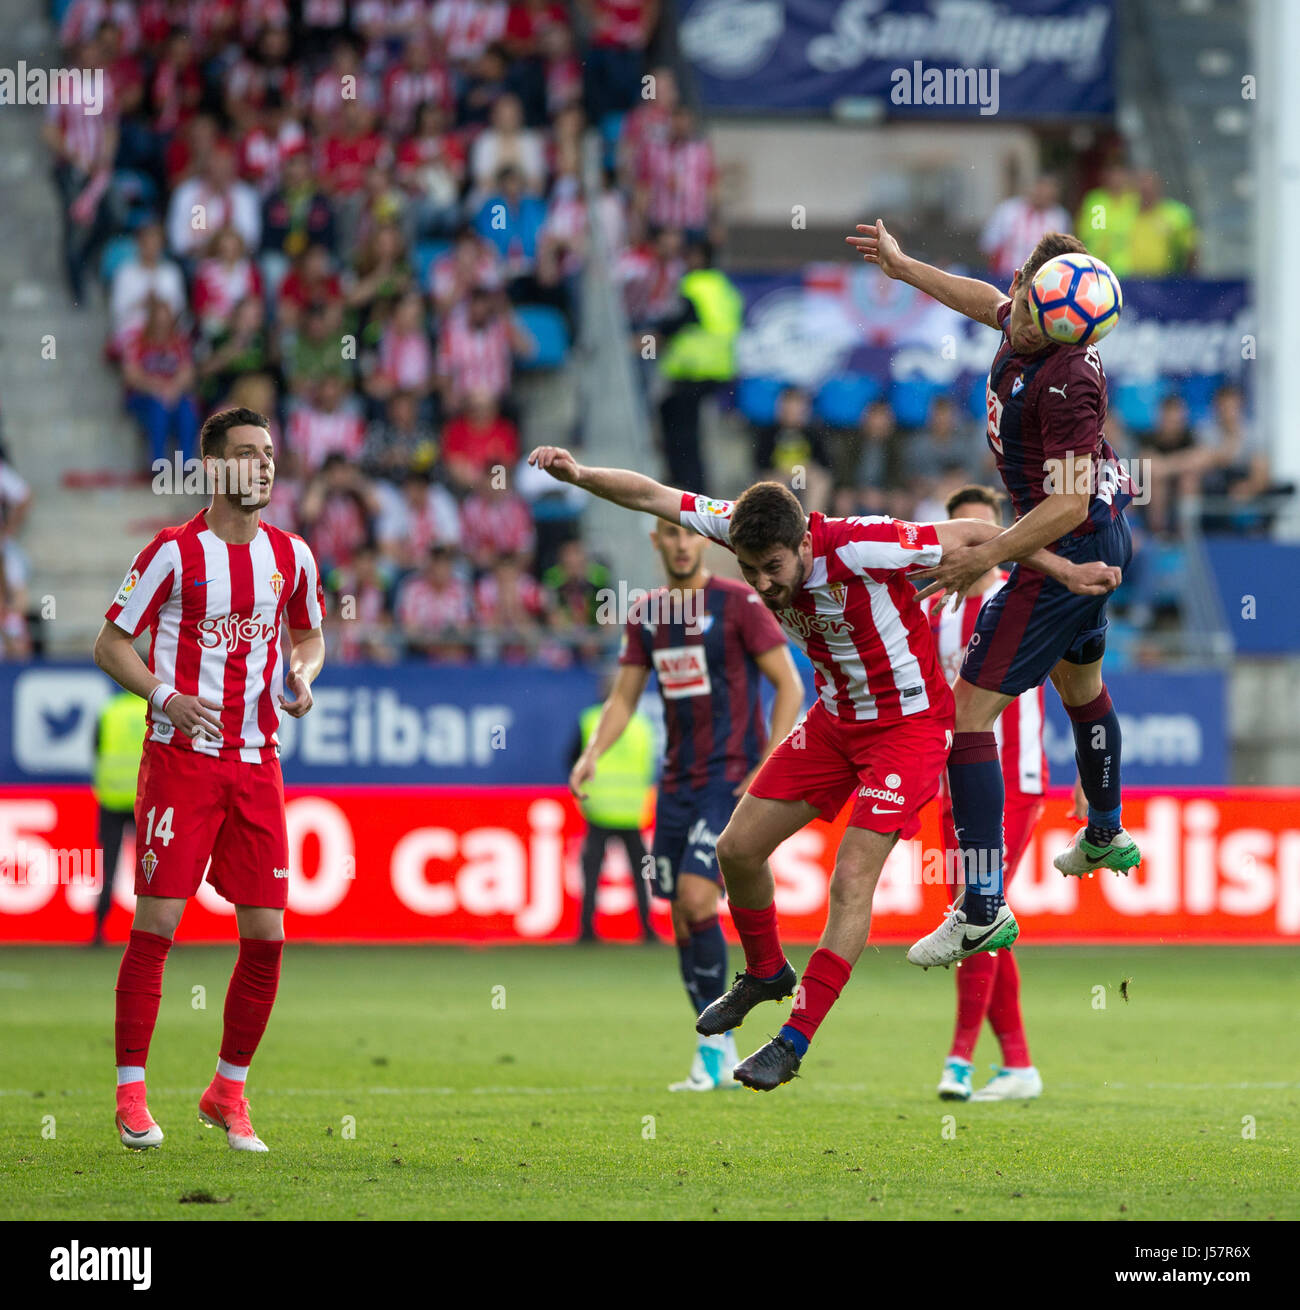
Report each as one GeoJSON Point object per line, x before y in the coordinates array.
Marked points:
{"type": "Point", "coordinates": [796, 1039]}
{"type": "Point", "coordinates": [1097, 744]}
{"type": "Point", "coordinates": [686, 961]}
{"type": "Point", "coordinates": [975, 781]}
{"type": "Point", "coordinates": [708, 961]}
{"type": "Point", "coordinates": [777, 974]}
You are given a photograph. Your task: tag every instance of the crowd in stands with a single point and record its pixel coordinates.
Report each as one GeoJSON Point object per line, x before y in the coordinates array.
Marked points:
{"type": "Point", "coordinates": [345, 216]}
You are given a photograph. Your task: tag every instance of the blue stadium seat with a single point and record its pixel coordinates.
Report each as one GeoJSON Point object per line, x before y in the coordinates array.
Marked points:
{"type": "Point", "coordinates": [1198, 394]}
{"type": "Point", "coordinates": [911, 400]}
{"type": "Point", "coordinates": [1138, 402]}
{"type": "Point", "coordinates": [842, 398]}
{"type": "Point", "coordinates": [134, 187]}
{"type": "Point", "coordinates": [977, 396]}
{"type": "Point", "coordinates": [546, 325]}
{"type": "Point", "coordinates": [58, 9]}
{"type": "Point", "coordinates": [756, 399]}
{"type": "Point", "coordinates": [611, 128]}
{"type": "Point", "coordinates": [425, 253]}
{"type": "Point", "coordinates": [118, 250]}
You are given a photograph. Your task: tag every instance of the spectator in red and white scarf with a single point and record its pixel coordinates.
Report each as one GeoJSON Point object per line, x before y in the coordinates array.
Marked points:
{"type": "Point", "coordinates": [328, 423]}
{"type": "Point", "coordinates": [477, 346]}
{"type": "Point", "coordinates": [205, 204]}
{"type": "Point", "coordinates": [224, 278]}
{"type": "Point", "coordinates": [404, 361]}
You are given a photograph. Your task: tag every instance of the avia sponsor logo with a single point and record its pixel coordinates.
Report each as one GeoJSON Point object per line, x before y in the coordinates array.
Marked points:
{"type": "Point", "coordinates": [683, 671]}
{"type": "Point", "coordinates": [235, 631]}
{"type": "Point", "coordinates": [75, 1263]}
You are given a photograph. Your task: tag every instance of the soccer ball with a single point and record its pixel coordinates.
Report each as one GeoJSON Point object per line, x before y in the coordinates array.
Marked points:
{"type": "Point", "coordinates": [1075, 299]}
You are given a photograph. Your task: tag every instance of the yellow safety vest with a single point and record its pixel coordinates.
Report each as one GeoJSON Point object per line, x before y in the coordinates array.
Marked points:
{"type": "Point", "coordinates": [705, 351]}
{"type": "Point", "coordinates": [616, 794]}
{"type": "Point", "coordinates": [121, 740]}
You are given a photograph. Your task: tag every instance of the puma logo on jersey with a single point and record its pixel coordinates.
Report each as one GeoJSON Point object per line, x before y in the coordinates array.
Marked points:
{"type": "Point", "coordinates": [1060, 391]}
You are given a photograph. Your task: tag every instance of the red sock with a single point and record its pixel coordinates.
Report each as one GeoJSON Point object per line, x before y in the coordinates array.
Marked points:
{"type": "Point", "coordinates": [139, 992]}
{"type": "Point", "coordinates": [819, 988]}
{"type": "Point", "coordinates": [249, 998]}
{"type": "Point", "coordinates": [974, 991]}
{"type": "Point", "coordinates": [758, 935]}
{"type": "Point", "coordinates": [1004, 1012]}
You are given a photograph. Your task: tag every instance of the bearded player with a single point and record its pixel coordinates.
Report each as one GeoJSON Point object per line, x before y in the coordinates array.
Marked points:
{"type": "Point", "coordinates": [988, 982]}
{"type": "Point", "coordinates": [879, 731]}
{"type": "Point", "coordinates": [1046, 407]}
{"type": "Point", "coordinates": [709, 641]}
{"type": "Point", "coordinates": [215, 594]}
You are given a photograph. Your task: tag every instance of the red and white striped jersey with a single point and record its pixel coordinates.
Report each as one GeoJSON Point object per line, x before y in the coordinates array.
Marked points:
{"type": "Point", "coordinates": [468, 27]}
{"type": "Point", "coordinates": [856, 617]}
{"type": "Point", "coordinates": [316, 433]}
{"type": "Point", "coordinates": [679, 178]}
{"type": "Point", "coordinates": [1019, 729]}
{"type": "Point", "coordinates": [214, 613]}
{"type": "Point", "coordinates": [475, 359]}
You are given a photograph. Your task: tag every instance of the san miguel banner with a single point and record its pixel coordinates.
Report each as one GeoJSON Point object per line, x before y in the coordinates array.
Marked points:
{"type": "Point", "coordinates": [826, 319]}
{"type": "Point", "coordinates": [914, 58]}
{"type": "Point", "coordinates": [492, 866]}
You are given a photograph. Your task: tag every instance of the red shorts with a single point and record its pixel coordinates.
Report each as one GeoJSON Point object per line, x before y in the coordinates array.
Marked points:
{"type": "Point", "coordinates": [1018, 823]}
{"type": "Point", "coordinates": [893, 766]}
{"type": "Point", "coordinates": [190, 807]}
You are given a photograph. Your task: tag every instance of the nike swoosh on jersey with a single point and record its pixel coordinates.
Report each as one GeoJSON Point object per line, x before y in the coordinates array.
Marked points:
{"type": "Point", "coordinates": [875, 809]}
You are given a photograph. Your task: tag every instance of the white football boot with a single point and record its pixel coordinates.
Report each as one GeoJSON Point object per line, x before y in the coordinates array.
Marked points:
{"type": "Point", "coordinates": [715, 1058]}
{"type": "Point", "coordinates": [1083, 858]}
{"type": "Point", "coordinates": [955, 1084]}
{"type": "Point", "coordinates": [1011, 1085]}
{"type": "Point", "coordinates": [953, 940]}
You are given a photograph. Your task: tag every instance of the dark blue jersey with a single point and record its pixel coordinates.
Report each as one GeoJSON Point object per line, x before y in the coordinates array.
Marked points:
{"type": "Point", "coordinates": [703, 647]}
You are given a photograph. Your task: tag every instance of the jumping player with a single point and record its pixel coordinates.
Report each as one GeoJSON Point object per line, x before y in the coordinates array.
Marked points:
{"type": "Point", "coordinates": [1046, 407]}
{"type": "Point", "coordinates": [880, 729]}
{"type": "Point", "coordinates": [988, 983]}
{"type": "Point", "coordinates": [214, 594]}
{"type": "Point", "coordinates": [707, 639]}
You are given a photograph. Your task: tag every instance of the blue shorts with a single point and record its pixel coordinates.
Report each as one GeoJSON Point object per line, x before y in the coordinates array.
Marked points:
{"type": "Point", "coordinates": [1031, 623]}
{"type": "Point", "coordinates": [687, 827]}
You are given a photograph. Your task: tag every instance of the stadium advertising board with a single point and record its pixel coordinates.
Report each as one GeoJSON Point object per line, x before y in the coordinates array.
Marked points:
{"type": "Point", "coordinates": [1031, 58]}
{"type": "Point", "coordinates": [500, 865]}
{"type": "Point", "coordinates": [415, 726]}
{"type": "Point", "coordinates": [832, 319]}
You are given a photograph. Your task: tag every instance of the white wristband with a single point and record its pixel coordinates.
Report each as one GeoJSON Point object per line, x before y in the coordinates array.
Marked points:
{"type": "Point", "coordinates": [161, 694]}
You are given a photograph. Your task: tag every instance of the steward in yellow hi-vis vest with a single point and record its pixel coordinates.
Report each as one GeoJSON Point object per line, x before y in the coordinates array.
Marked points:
{"type": "Point", "coordinates": [614, 808]}
{"type": "Point", "coordinates": [697, 355]}
{"type": "Point", "coordinates": [119, 741]}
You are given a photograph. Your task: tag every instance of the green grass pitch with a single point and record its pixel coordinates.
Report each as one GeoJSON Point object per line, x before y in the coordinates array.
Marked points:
{"type": "Point", "coordinates": [531, 1083]}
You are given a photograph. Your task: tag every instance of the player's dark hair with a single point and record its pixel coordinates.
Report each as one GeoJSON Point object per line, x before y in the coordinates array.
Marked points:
{"type": "Point", "coordinates": [767, 515]}
{"type": "Point", "coordinates": [1050, 244]}
{"type": "Point", "coordinates": [973, 494]}
{"type": "Point", "coordinates": [212, 436]}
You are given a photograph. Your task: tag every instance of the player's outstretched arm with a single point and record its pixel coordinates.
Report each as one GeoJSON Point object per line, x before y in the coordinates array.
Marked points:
{"type": "Point", "coordinates": [971, 547]}
{"type": "Point", "coordinates": [967, 295]}
{"type": "Point", "coordinates": [622, 486]}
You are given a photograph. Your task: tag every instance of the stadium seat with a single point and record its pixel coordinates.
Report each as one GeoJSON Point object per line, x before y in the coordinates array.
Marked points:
{"type": "Point", "coordinates": [425, 254]}
{"type": "Point", "coordinates": [756, 399]}
{"type": "Point", "coordinates": [842, 399]}
{"type": "Point", "coordinates": [611, 128]}
{"type": "Point", "coordinates": [547, 327]}
{"type": "Point", "coordinates": [1137, 402]}
{"type": "Point", "coordinates": [118, 250]}
{"type": "Point", "coordinates": [911, 399]}
{"type": "Point", "coordinates": [976, 394]}
{"type": "Point", "coordinates": [1198, 394]}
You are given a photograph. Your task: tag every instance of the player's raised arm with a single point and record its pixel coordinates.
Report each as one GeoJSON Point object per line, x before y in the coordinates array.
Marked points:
{"type": "Point", "coordinates": [971, 547]}
{"type": "Point", "coordinates": [622, 486]}
{"type": "Point", "coordinates": [967, 295]}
